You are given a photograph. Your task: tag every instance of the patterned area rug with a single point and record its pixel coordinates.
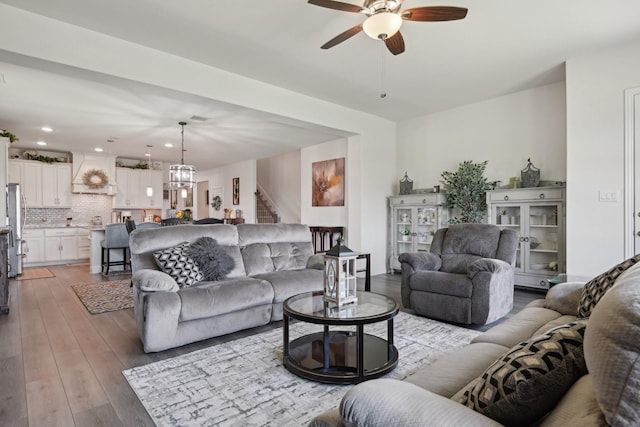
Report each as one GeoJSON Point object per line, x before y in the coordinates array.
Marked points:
{"type": "Point", "coordinates": [243, 382]}
{"type": "Point", "coordinates": [35, 273]}
{"type": "Point", "coordinates": [100, 297]}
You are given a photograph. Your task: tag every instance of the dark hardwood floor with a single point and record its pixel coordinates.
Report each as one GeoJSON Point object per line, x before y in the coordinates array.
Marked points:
{"type": "Point", "coordinates": [61, 366]}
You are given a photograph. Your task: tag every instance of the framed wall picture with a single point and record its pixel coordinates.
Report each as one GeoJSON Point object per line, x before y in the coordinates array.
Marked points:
{"type": "Point", "coordinates": [327, 183]}
{"type": "Point", "coordinates": [189, 201]}
{"type": "Point", "coordinates": [236, 191]}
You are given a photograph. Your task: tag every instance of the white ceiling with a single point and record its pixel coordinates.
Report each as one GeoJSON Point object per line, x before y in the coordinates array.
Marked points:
{"type": "Point", "coordinates": [502, 46]}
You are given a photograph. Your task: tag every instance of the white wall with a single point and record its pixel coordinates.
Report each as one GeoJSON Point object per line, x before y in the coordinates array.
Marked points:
{"type": "Point", "coordinates": [505, 131]}
{"type": "Point", "coordinates": [44, 39]}
{"type": "Point", "coordinates": [324, 215]}
{"type": "Point", "coordinates": [223, 178]}
{"type": "Point", "coordinates": [279, 177]}
{"type": "Point", "coordinates": [595, 155]}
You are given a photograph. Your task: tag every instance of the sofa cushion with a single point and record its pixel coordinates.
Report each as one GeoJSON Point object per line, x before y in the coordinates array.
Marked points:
{"type": "Point", "coordinates": [520, 326]}
{"type": "Point", "coordinates": [260, 258]}
{"type": "Point", "coordinates": [176, 263]}
{"type": "Point", "coordinates": [257, 259]}
{"type": "Point", "coordinates": [526, 382]}
{"type": "Point", "coordinates": [612, 350]}
{"type": "Point", "coordinates": [212, 260]}
{"type": "Point", "coordinates": [287, 283]}
{"type": "Point", "coordinates": [208, 299]}
{"type": "Point", "coordinates": [459, 250]}
{"type": "Point", "coordinates": [595, 288]}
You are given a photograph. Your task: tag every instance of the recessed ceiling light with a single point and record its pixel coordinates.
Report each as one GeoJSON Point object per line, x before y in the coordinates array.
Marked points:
{"type": "Point", "coordinates": [147, 154]}
{"type": "Point", "coordinates": [47, 129]}
{"type": "Point", "coordinates": [41, 143]}
{"type": "Point", "coordinates": [98, 149]}
{"type": "Point", "coordinates": [168, 145]}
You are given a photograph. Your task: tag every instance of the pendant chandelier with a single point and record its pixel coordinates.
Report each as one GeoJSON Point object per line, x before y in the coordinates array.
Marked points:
{"type": "Point", "coordinates": [182, 175]}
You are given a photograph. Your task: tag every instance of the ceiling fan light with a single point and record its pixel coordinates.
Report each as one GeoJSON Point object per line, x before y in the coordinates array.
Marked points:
{"type": "Point", "coordinates": [382, 25]}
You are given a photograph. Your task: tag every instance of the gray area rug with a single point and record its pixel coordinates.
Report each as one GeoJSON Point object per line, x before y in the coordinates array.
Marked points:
{"type": "Point", "coordinates": [243, 382]}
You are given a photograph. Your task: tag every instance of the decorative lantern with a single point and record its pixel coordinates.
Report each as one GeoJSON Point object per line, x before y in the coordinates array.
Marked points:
{"type": "Point", "coordinates": [340, 275]}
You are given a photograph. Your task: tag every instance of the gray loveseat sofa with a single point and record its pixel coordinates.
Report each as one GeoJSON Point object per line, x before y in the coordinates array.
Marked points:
{"type": "Point", "coordinates": [272, 263]}
{"type": "Point", "coordinates": [607, 392]}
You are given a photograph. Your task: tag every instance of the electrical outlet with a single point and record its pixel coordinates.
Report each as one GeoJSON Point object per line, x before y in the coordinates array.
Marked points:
{"type": "Point", "coordinates": [608, 196]}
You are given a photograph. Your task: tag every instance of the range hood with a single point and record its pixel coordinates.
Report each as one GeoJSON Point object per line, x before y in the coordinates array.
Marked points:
{"type": "Point", "coordinates": [82, 163]}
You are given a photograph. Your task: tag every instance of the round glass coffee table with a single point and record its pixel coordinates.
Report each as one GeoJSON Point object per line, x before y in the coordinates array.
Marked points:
{"type": "Point", "coordinates": [340, 357]}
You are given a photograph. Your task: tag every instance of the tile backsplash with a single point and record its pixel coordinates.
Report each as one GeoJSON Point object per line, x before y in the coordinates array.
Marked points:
{"type": "Point", "coordinates": [84, 208]}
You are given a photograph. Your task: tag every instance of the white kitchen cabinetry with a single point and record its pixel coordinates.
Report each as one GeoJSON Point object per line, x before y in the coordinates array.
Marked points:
{"type": "Point", "coordinates": [32, 246]}
{"type": "Point", "coordinates": [60, 244]}
{"type": "Point", "coordinates": [413, 220]}
{"type": "Point", "coordinates": [56, 185]}
{"type": "Point", "coordinates": [151, 179]}
{"type": "Point", "coordinates": [28, 174]}
{"type": "Point", "coordinates": [538, 215]}
{"type": "Point", "coordinates": [84, 243]}
{"type": "Point", "coordinates": [132, 189]}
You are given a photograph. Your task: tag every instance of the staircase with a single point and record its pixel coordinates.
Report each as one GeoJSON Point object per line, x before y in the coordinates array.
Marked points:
{"type": "Point", "coordinates": [265, 213]}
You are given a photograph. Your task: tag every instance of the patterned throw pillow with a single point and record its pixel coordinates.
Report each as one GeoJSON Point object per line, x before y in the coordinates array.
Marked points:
{"type": "Point", "coordinates": [528, 381]}
{"type": "Point", "coordinates": [595, 288]}
{"type": "Point", "coordinates": [175, 262]}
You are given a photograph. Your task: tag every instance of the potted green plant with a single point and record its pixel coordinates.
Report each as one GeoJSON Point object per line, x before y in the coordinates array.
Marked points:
{"type": "Point", "coordinates": [465, 190]}
{"type": "Point", "coordinates": [6, 134]}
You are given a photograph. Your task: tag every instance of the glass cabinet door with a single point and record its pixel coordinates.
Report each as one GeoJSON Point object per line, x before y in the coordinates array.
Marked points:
{"type": "Point", "coordinates": [510, 216]}
{"type": "Point", "coordinates": [542, 238]}
{"type": "Point", "coordinates": [404, 230]}
{"type": "Point", "coordinates": [426, 226]}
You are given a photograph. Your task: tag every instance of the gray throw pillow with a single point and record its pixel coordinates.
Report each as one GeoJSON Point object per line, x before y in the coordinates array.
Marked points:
{"type": "Point", "coordinates": [211, 258]}
{"type": "Point", "coordinates": [528, 381]}
{"type": "Point", "coordinates": [595, 288]}
{"type": "Point", "coordinates": [177, 264]}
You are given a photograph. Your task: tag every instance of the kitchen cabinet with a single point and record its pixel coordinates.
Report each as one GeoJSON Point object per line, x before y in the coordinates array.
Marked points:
{"type": "Point", "coordinates": [28, 174]}
{"type": "Point", "coordinates": [132, 185]}
{"type": "Point", "coordinates": [56, 185]}
{"type": "Point", "coordinates": [60, 244]}
{"type": "Point", "coordinates": [413, 220]}
{"type": "Point", "coordinates": [151, 179]}
{"type": "Point", "coordinates": [538, 215]}
{"type": "Point", "coordinates": [84, 243]}
{"type": "Point", "coordinates": [32, 246]}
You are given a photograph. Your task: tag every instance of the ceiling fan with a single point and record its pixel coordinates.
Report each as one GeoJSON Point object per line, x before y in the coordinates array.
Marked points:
{"type": "Point", "coordinates": [384, 19]}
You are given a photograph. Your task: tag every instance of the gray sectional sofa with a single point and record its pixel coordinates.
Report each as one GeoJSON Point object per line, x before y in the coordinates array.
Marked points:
{"type": "Point", "coordinates": [605, 391]}
{"type": "Point", "coordinates": [272, 263]}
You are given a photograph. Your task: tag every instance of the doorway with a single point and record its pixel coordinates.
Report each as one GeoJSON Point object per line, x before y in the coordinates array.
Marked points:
{"type": "Point", "coordinates": [632, 178]}
{"type": "Point", "coordinates": [202, 199]}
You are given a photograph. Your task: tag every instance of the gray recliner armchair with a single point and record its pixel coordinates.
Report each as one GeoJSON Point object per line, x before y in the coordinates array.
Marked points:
{"type": "Point", "coordinates": [466, 278]}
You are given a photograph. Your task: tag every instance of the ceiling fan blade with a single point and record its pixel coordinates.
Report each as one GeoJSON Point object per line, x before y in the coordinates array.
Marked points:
{"type": "Point", "coordinates": [434, 13]}
{"type": "Point", "coordinates": [395, 43]}
{"type": "Point", "coordinates": [342, 37]}
{"type": "Point", "coordinates": [338, 5]}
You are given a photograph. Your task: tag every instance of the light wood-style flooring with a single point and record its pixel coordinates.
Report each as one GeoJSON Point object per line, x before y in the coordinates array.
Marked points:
{"type": "Point", "coordinates": [61, 366]}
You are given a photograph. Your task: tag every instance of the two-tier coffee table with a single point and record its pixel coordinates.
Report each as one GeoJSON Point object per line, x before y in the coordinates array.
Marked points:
{"type": "Point", "coordinates": [335, 356]}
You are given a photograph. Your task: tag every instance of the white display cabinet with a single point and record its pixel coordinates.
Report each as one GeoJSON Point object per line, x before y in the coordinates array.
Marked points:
{"type": "Point", "coordinates": [413, 220]}
{"type": "Point", "coordinates": [538, 215]}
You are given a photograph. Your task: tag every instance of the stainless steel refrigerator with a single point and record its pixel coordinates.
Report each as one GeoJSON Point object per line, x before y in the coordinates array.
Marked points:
{"type": "Point", "coordinates": [16, 211]}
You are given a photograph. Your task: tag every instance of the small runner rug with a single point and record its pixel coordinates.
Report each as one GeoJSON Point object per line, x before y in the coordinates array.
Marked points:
{"type": "Point", "coordinates": [35, 273]}
{"type": "Point", "coordinates": [100, 297]}
{"type": "Point", "coordinates": [243, 382]}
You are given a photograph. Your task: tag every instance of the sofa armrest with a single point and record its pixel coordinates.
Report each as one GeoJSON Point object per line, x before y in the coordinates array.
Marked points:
{"type": "Point", "coordinates": [316, 262]}
{"type": "Point", "coordinates": [421, 260]}
{"type": "Point", "coordinates": [494, 266]}
{"type": "Point", "coordinates": [564, 297]}
{"type": "Point", "coordinates": [153, 280]}
{"type": "Point", "coordinates": [386, 402]}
